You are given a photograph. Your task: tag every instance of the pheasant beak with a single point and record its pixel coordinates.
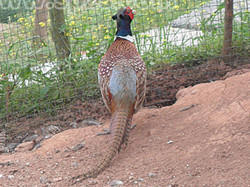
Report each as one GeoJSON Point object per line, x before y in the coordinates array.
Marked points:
{"type": "Point", "coordinates": [130, 13]}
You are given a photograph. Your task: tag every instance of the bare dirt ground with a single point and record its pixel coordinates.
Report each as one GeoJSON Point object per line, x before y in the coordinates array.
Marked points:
{"type": "Point", "coordinates": [201, 140]}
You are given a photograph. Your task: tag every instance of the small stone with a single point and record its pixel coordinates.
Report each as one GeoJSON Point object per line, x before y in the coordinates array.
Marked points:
{"type": "Point", "coordinates": [170, 141]}
{"type": "Point", "coordinates": [1, 175]}
{"type": "Point", "coordinates": [135, 182]}
{"type": "Point", "coordinates": [10, 176]}
{"type": "Point", "coordinates": [78, 147]}
{"type": "Point", "coordinates": [93, 182]}
{"type": "Point", "coordinates": [47, 136]}
{"type": "Point", "coordinates": [2, 149]}
{"type": "Point", "coordinates": [30, 138]}
{"type": "Point", "coordinates": [57, 179]}
{"type": "Point", "coordinates": [74, 164]}
{"type": "Point", "coordinates": [151, 174]}
{"type": "Point", "coordinates": [116, 183]}
{"type": "Point", "coordinates": [27, 164]}
{"type": "Point", "coordinates": [52, 129]}
{"type": "Point", "coordinates": [12, 146]}
{"type": "Point", "coordinates": [73, 124]}
{"type": "Point", "coordinates": [86, 123]}
{"type": "Point", "coordinates": [140, 179]}
{"type": "Point", "coordinates": [43, 180]}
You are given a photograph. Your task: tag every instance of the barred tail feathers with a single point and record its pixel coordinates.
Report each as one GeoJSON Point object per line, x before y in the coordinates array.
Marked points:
{"type": "Point", "coordinates": [119, 123]}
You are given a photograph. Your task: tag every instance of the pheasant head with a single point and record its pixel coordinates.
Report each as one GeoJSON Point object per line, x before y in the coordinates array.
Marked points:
{"type": "Point", "coordinates": [123, 19]}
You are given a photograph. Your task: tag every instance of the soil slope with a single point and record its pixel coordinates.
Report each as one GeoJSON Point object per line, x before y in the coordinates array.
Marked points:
{"type": "Point", "coordinates": [201, 140]}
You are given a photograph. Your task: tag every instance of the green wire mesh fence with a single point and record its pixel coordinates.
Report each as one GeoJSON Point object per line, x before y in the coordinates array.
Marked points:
{"type": "Point", "coordinates": [36, 78]}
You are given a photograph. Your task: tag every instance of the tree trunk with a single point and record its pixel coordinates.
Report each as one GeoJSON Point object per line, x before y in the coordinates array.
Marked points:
{"type": "Point", "coordinates": [58, 29]}
{"type": "Point", "coordinates": [41, 22]}
{"type": "Point", "coordinates": [228, 28]}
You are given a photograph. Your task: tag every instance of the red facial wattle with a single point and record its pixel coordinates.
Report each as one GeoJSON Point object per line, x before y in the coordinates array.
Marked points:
{"type": "Point", "coordinates": [130, 13]}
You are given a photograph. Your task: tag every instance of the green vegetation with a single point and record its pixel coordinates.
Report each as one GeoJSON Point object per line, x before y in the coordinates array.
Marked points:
{"type": "Point", "coordinates": [25, 88]}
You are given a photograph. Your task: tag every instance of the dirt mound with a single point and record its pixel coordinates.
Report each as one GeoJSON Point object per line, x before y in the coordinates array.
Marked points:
{"type": "Point", "coordinates": [201, 140]}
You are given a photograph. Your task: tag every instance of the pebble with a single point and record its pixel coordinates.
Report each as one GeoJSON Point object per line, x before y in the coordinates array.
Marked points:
{"type": "Point", "coordinates": [85, 123]}
{"type": "Point", "coordinates": [1, 175]}
{"type": "Point", "coordinates": [47, 136]}
{"type": "Point", "coordinates": [52, 129]}
{"type": "Point", "coordinates": [170, 141]}
{"type": "Point", "coordinates": [93, 182]}
{"type": "Point", "coordinates": [30, 138]}
{"type": "Point", "coordinates": [78, 147]}
{"type": "Point", "coordinates": [43, 180]}
{"type": "Point", "coordinates": [151, 174]}
{"type": "Point", "coordinates": [12, 146]}
{"type": "Point", "coordinates": [73, 125]}
{"type": "Point", "coordinates": [10, 176]}
{"type": "Point", "coordinates": [57, 179]}
{"type": "Point", "coordinates": [116, 183]}
{"type": "Point", "coordinates": [74, 164]}
{"type": "Point", "coordinates": [140, 179]}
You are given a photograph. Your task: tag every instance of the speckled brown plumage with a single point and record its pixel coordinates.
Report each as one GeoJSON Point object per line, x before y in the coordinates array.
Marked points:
{"type": "Point", "coordinates": [122, 52]}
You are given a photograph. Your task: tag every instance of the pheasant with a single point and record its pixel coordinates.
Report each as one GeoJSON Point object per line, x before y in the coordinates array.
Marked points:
{"type": "Point", "coordinates": [122, 80]}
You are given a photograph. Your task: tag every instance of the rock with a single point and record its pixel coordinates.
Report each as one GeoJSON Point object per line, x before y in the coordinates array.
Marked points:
{"type": "Point", "coordinates": [116, 183]}
{"type": "Point", "coordinates": [2, 149]}
{"type": "Point", "coordinates": [11, 146]}
{"type": "Point", "coordinates": [43, 180]}
{"type": "Point", "coordinates": [1, 175]}
{"type": "Point", "coordinates": [170, 142]}
{"type": "Point", "coordinates": [151, 175]}
{"type": "Point", "coordinates": [51, 129]}
{"type": "Point", "coordinates": [8, 163]}
{"type": "Point", "coordinates": [85, 123]}
{"type": "Point", "coordinates": [78, 147]}
{"type": "Point", "coordinates": [140, 179]}
{"type": "Point", "coordinates": [57, 179]}
{"type": "Point", "coordinates": [47, 136]}
{"type": "Point", "coordinates": [74, 164]}
{"type": "Point", "coordinates": [10, 176]}
{"type": "Point", "coordinates": [23, 147]}
{"type": "Point", "coordinates": [93, 182]}
{"type": "Point", "coordinates": [30, 138]}
{"type": "Point", "coordinates": [73, 124]}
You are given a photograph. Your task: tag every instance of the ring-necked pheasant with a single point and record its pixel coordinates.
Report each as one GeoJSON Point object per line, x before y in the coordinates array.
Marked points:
{"type": "Point", "coordinates": [122, 80]}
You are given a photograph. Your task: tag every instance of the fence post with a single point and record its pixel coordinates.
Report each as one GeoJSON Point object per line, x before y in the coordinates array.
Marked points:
{"type": "Point", "coordinates": [228, 29]}
{"type": "Point", "coordinates": [41, 19]}
{"type": "Point", "coordinates": [58, 29]}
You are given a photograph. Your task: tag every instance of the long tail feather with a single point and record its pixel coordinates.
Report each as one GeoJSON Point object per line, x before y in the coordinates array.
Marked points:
{"type": "Point", "coordinates": [120, 120]}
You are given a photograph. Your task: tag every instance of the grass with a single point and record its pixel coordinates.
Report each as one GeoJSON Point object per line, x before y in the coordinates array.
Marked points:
{"type": "Point", "coordinates": [24, 90]}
